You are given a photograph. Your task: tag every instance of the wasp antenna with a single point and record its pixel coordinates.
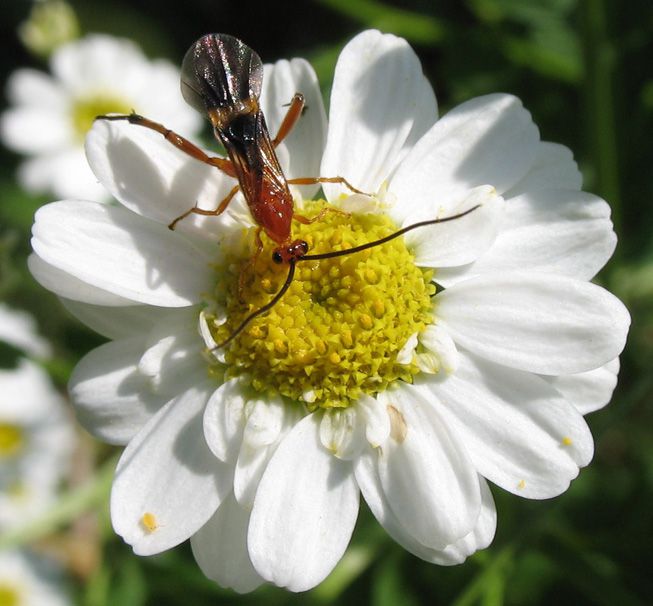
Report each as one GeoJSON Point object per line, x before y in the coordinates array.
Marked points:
{"type": "Point", "coordinates": [401, 232]}
{"type": "Point", "coordinates": [267, 307]}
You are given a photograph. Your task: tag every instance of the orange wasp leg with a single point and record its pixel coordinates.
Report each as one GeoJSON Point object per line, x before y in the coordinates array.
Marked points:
{"type": "Point", "coordinates": [293, 114]}
{"type": "Point", "coordinates": [190, 149]}
{"type": "Point", "coordinates": [315, 180]}
{"type": "Point", "coordinates": [207, 213]}
{"type": "Point", "coordinates": [178, 141]}
{"type": "Point", "coordinates": [329, 209]}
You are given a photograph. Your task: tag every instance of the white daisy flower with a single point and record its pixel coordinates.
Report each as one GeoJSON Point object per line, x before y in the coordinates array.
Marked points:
{"type": "Point", "coordinates": [18, 329]}
{"type": "Point", "coordinates": [52, 113]}
{"type": "Point", "coordinates": [26, 580]}
{"type": "Point", "coordinates": [366, 377]}
{"type": "Point", "coordinates": [36, 434]}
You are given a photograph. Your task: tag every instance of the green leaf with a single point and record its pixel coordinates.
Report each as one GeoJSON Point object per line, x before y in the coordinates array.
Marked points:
{"type": "Point", "coordinates": [389, 586]}
{"type": "Point", "coordinates": [415, 27]}
{"type": "Point", "coordinates": [591, 573]}
{"type": "Point", "coordinates": [551, 54]}
{"type": "Point", "coordinates": [494, 571]}
{"type": "Point", "coordinates": [96, 591]}
{"type": "Point", "coordinates": [130, 586]}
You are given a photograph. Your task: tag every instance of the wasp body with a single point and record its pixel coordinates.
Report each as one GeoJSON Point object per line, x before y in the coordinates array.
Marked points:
{"type": "Point", "coordinates": [222, 79]}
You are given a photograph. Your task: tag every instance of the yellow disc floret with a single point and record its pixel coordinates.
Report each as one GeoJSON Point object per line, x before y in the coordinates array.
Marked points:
{"type": "Point", "coordinates": [336, 333]}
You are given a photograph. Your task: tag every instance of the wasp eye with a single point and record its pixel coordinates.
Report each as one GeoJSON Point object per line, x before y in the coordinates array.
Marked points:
{"type": "Point", "coordinates": [303, 248]}
{"type": "Point", "coordinates": [277, 257]}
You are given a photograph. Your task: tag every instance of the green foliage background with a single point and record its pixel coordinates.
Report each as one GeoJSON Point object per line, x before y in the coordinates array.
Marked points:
{"type": "Point", "coordinates": [583, 68]}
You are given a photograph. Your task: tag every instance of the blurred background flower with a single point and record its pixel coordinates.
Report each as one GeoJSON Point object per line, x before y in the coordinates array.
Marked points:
{"type": "Point", "coordinates": [582, 67]}
{"type": "Point", "coordinates": [26, 579]}
{"type": "Point", "coordinates": [36, 444]}
{"type": "Point", "coordinates": [36, 434]}
{"type": "Point", "coordinates": [50, 114]}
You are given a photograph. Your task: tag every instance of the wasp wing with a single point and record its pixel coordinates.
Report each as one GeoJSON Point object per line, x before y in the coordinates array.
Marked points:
{"type": "Point", "coordinates": [218, 71]}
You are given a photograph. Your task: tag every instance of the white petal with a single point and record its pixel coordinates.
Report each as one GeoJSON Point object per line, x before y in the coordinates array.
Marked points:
{"type": "Point", "coordinates": [479, 538]}
{"type": "Point", "coordinates": [19, 329]}
{"type": "Point", "coordinates": [267, 422]}
{"type": "Point", "coordinates": [425, 116]}
{"type": "Point", "coordinates": [65, 173]}
{"type": "Point", "coordinates": [437, 341]}
{"type": "Point", "coordinates": [35, 130]}
{"type": "Point", "coordinates": [220, 548]}
{"type": "Point", "coordinates": [154, 179]}
{"type": "Point", "coordinates": [342, 432]}
{"type": "Point", "coordinates": [112, 399]}
{"type": "Point", "coordinates": [205, 330]}
{"type": "Point", "coordinates": [96, 62]}
{"type": "Point", "coordinates": [407, 352]}
{"type": "Point", "coordinates": [426, 477]}
{"type": "Point", "coordinates": [488, 140]}
{"type": "Point", "coordinates": [460, 240]}
{"type": "Point", "coordinates": [224, 420]}
{"type": "Point", "coordinates": [564, 232]}
{"type": "Point", "coordinates": [30, 579]}
{"type": "Point", "coordinates": [65, 285]}
{"type": "Point", "coordinates": [379, 102]}
{"type": "Point", "coordinates": [168, 107]}
{"type": "Point", "coordinates": [121, 322]}
{"type": "Point", "coordinates": [168, 472]}
{"type": "Point", "coordinates": [300, 152]}
{"type": "Point", "coordinates": [250, 466]}
{"type": "Point", "coordinates": [28, 396]}
{"type": "Point", "coordinates": [588, 391]}
{"type": "Point", "coordinates": [482, 534]}
{"type": "Point", "coordinates": [34, 88]}
{"type": "Point", "coordinates": [537, 322]}
{"type": "Point", "coordinates": [377, 422]}
{"type": "Point", "coordinates": [175, 353]}
{"type": "Point", "coordinates": [304, 512]}
{"type": "Point", "coordinates": [115, 250]}
{"type": "Point", "coordinates": [520, 432]}
{"type": "Point", "coordinates": [554, 167]}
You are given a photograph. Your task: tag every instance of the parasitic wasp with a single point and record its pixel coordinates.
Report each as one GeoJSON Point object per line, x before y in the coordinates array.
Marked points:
{"type": "Point", "coordinates": [222, 78]}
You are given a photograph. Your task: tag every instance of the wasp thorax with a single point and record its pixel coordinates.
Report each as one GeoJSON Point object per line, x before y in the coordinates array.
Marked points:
{"type": "Point", "coordinates": [336, 333]}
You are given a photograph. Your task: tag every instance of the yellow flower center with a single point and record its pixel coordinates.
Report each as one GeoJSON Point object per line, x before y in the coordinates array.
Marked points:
{"type": "Point", "coordinates": [86, 108]}
{"type": "Point", "coordinates": [9, 595]}
{"type": "Point", "coordinates": [11, 440]}
{"type": "Point", "coordinates": [336, 333]}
